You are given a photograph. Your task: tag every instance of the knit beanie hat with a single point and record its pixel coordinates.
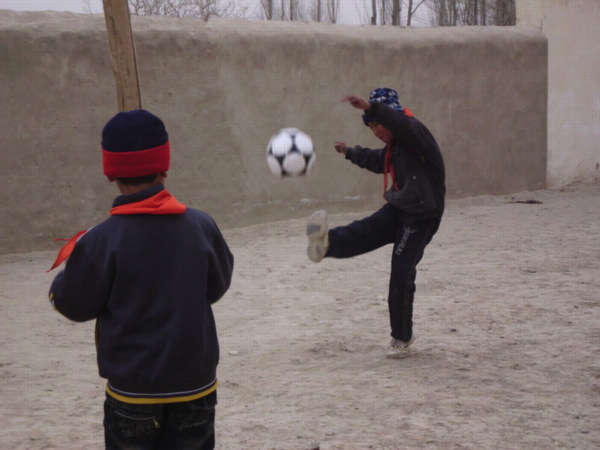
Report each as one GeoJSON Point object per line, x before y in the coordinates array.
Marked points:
{"type": "Point", "coordinates": [388, 97]}
{"type": "Point", "coordinates": [135, 144]}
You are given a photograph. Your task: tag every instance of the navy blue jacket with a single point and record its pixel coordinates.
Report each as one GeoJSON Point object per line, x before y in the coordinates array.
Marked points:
{"type": "Point", "coordinates": [150, 280]}
{"type": "Point", "coordinates": [418, 165]}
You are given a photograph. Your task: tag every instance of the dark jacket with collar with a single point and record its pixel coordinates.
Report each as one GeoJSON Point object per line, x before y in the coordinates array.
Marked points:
{"type": "Point", "coordinates": [418, 165]}
{"type": "Point", "coordinates": [150, 280]}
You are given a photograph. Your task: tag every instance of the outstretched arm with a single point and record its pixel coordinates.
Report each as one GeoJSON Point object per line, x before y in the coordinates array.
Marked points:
{"type": "Point", "coordinates": [341, 147]}
{"type": "Point", "coordinates": [363, 157]}
{"type": "Point", "coordinates": [357, 102]}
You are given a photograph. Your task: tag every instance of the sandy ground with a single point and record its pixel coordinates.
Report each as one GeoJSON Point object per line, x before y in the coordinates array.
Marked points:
{"type": "Point", "coordinates": [507, 355]}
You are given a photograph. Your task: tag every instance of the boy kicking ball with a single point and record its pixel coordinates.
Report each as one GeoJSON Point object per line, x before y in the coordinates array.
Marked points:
{"type": "Point", "coordinates": [412, 213]}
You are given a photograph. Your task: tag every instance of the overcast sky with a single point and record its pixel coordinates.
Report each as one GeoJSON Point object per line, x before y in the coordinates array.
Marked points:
{"type": "Point", "coordinates": [350, 10]}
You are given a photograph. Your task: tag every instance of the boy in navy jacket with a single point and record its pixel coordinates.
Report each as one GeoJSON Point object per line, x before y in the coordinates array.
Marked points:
{"type": "Point", "coordinates": [412, 213]}
{"type": "Point", "coordinates": [148, 274]}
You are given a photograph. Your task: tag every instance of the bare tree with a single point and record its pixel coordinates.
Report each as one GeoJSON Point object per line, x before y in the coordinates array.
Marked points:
{"type": "Point", "coordinates": [396, 9]}
{"type": "Point", "coordinates": [411, 10]}
{"type": "Point", "coordinates": [506, 13]}
{"type": "Point", "coordinates": [472, 12]}
{"type": "Point", "coordinates": [445, 13]}
{"type": "Point", "coordinates": [267, 9]}
{"type": "Point", "coordinates": [87, 7]}
{"type": "Point", "coordinates": [483, 11]}
{"type": "Point", "coordinates": [198, 9]}
{"type": "Point", "coordinates": [295, 11]}
{"type": "Point", "coordinates": [332, 8]}
{"type": "Point", "coordinates": [380, 12]}
{"type": "Point", "coordinates": [316, 9]}
{"type": "Point", "coordinates": [384, 12]}
{"type": "Point", "coordinates": [324, 10]}
{"type": "Point", "coordinates": [374, 10]}
{"type": "Point", "coordinates": [288, 10]}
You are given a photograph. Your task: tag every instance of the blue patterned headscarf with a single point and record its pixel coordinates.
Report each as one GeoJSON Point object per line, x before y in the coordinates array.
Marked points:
{"type": "Point", "coordinates": [388, 97]}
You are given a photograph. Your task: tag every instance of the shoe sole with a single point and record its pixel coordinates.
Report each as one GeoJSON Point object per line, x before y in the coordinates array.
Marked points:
{"type": "Point", "coordinates": [316, 231]}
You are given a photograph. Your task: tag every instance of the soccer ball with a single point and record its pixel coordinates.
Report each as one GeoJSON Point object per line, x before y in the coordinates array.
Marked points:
{"type": "Point", "coordinates": [290, 153]}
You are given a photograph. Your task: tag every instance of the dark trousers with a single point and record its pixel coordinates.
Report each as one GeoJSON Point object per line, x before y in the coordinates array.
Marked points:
{"type": "Point", "coordinates": [382, 228]}
{"type": "Point", "coordinates": [186, 425]}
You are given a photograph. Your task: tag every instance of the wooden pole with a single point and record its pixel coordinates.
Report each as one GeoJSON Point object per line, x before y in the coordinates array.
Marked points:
{"type": "Point", "coordinates": [122, 53]}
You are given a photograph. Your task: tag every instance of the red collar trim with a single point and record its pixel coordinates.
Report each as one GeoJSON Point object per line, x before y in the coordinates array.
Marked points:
{"type": "Point", "coordinates": [66, 250]}
{"type": "Point", "coordinates": [388, 169]}
{"type": "Point", "coordinates": [161, 203]}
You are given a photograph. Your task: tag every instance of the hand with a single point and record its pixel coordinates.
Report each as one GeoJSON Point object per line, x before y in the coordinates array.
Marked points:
{"type": "Point", "coordinates": [341, 147]}
{"type": "Point", "coordinates": [357, 102]}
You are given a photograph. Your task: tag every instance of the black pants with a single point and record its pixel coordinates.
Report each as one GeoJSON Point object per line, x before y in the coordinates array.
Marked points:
{"type": "Point", "coordinates": [382, 228]}
{"type": "Point", "coordinates": [170, 426]}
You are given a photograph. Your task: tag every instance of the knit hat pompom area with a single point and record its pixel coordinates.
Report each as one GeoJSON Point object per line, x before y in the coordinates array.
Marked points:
{"type": "Point", "coordinates": [388, 97]}
{"type": "Point", "coordinates": [134, 144]}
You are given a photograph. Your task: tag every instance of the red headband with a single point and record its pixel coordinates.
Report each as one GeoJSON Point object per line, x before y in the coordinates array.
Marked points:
{"type": "Point", "coordinates": [136, 164]}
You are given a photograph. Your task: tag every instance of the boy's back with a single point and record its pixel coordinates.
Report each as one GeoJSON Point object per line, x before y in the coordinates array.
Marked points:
{"type": "Point", "coordinates": [149, 280]}
{"type": "Point", "coordinates": [148, 275]}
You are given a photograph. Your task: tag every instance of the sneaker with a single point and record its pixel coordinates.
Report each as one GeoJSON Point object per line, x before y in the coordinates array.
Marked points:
{"type": "Point", "coordinates": [399, 349]}
{"type": "Point", "coordinates": [318, 238]}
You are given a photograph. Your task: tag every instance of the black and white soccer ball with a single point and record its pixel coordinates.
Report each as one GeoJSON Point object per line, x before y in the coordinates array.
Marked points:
{"type": "Point", "coordinates": [290, 153]}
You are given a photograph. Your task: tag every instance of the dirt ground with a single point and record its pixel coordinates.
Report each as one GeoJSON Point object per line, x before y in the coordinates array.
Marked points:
{"type": "Point", "coordinates": [507, 353]}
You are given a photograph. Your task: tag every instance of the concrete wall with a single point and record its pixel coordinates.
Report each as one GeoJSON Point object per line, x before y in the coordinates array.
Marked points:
{"type": "Point", "coordinates": [223, 87]}
{"type": "Point", "coordinates": [573, 31]}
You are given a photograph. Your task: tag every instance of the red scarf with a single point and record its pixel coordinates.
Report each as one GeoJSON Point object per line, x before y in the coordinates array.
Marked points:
{"type": "Point", "coordinates": [66, 250]}
{"type": "Point", "coordinates": [388, 169]}
{"type": "Point", "coordinates": [161, 203]}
